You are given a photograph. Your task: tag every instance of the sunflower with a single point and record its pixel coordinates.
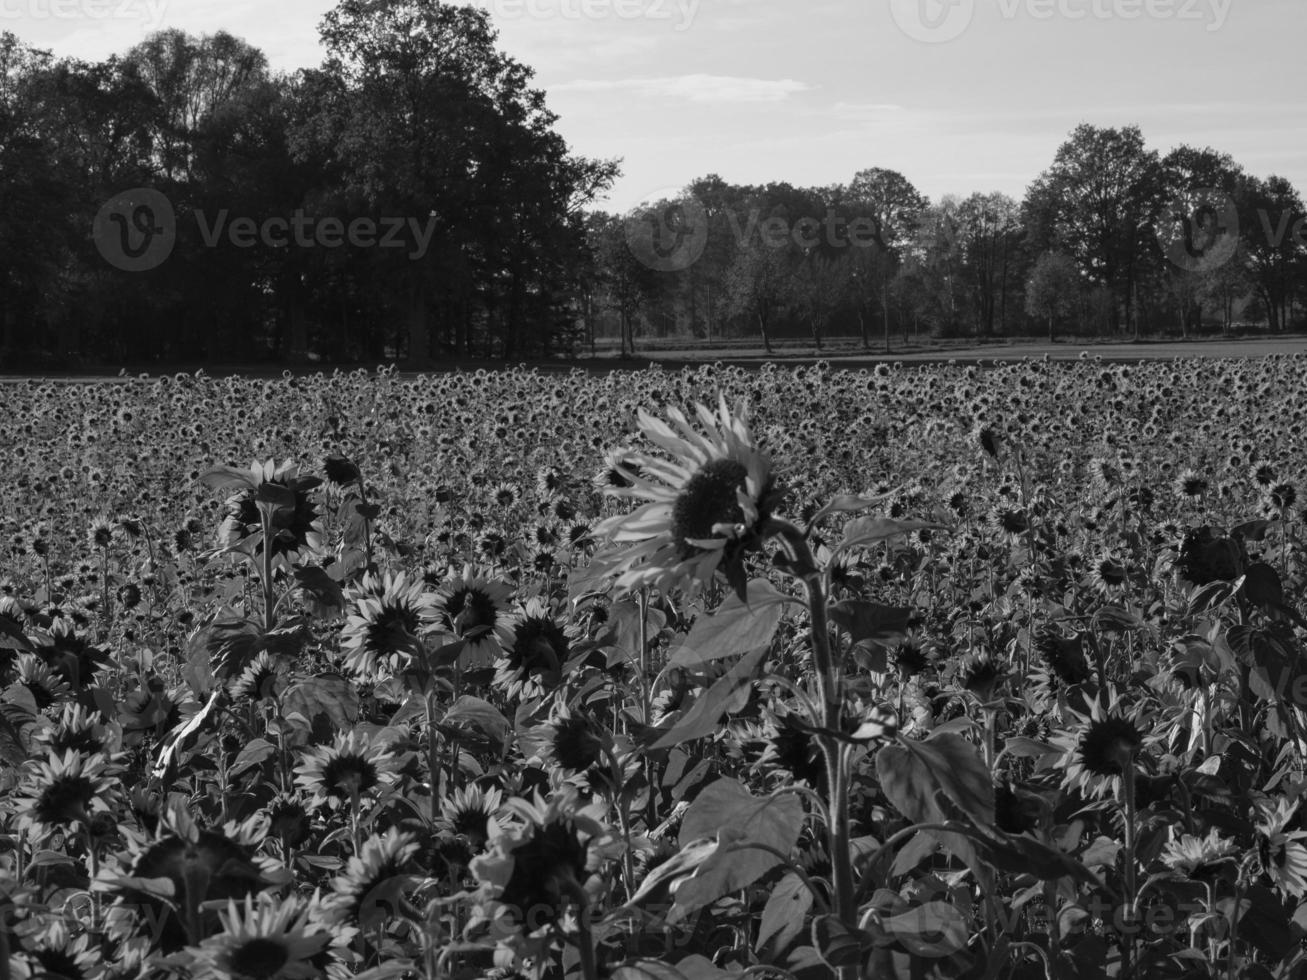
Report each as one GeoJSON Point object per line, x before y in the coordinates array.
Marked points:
{"type": "Point", "coordinates": [101, 533]}
{"type": "Point", "coordinates": [616, 471]}
{"type": "Point", "coordinates": [1283, 855]}
{"type": "Point", "coordinates": [351, 767]}
{"type": "Point", "coordinates": [79, 729]}
{"type": "Point", "coordinates": [371, 886]}
{"type": "Point", "coordinates": [264, 939]}
{"type": "Point", "coordinates": [46, 687]}
{"type": "Point", "coordinates": [296, 523]}
{"type": "Point", "coordinates": [1190, 485]}
{"type": "Point", "coordinates": [1199, 857]}
{"type": "Point", "coordinates": [1097, 756]}
{"type": "Point", "coordinates": [532, 662]}
{"type": "Point", "coordinates": [572, 741]}
{"type": "Point", "coordinates": [471, 813]}
{"type": "Point", "coordinates": [543, 863]}
{"type": "Point", "coordinates": [1108, 572]}
{"type": "Point", "coordinates": [264, 677]}
{"type": "Point", "coordinates": [289, 820]}
{"type": "Point", "coordinates": [475, 609]}
{"type": "Point", "coordinates": [703, 508]}
{"type": "Point", "coordinates": [386, 620]}
{"type": "Point", "coordinates": [57, 954]}
{"type": "Point", "coordinates": [66, 789]}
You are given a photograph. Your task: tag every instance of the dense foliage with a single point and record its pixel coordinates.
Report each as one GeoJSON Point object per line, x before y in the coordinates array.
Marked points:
{"type": "Point", "coordinates": [936, 672]}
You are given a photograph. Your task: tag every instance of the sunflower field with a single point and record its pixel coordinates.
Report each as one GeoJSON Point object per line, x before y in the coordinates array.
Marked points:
{"type": "Point", "coordinates": [790, 673]}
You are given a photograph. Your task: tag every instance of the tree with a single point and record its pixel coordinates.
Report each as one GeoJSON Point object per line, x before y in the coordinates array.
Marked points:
{"type": "Point", "coordinates": [1099, 203]}
{"type": "Point", "coordinates": [1052, 291]}
{"type": "Point", "coordinates": [1270, 211]}
{"type": "Point", "coordinates": [893, 206]}
{"type": "Point", "coordinates": [989, 232]}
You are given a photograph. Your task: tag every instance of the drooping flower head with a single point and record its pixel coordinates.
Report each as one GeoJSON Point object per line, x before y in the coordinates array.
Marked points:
{"type": "Point", "coordinates": [703, 504]}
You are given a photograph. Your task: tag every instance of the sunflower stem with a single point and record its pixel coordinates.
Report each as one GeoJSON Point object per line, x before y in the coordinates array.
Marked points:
{"type": "Point", "coordinates": [804, 567]}
{"type": "Point", "coordinates": [1128, 799]}
{"type": "Point", "coordinates": [433, 758]}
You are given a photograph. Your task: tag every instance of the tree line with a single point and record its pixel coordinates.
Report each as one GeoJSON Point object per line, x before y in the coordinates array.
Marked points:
{"type": "Point", "coordinates": [282, 193]}
{"type": "Point", "coordinates": [1113, 239]}
{"type": "Point", "coordinates": [415, 119]}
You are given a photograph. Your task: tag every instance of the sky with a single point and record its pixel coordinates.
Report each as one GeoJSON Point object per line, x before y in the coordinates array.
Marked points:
{"type": "Point", "coordinates": [958, 95]}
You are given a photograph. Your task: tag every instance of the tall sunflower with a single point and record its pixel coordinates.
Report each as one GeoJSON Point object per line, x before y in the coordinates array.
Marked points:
{"type": "Point", "coordinates": [703, 507]}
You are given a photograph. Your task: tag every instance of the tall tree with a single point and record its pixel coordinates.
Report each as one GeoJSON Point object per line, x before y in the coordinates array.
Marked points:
{"type": "Point", "coordinates": [1099, 202]}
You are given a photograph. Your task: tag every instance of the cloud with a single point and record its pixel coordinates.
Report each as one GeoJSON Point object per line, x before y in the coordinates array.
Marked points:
{"type": "Point", "coordinates": [695, 88]}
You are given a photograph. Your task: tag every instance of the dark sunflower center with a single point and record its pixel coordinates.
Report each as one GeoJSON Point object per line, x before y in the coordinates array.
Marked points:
{"type": "Point", "coordinates": [472, 823]}
{"type": "Point", "coordinates": [392, 629]}
{"type": "Point", "coordinates": [349, 774]}
{"type": "Point", "coordinates": [259, 958]}
{"type": "Point", "coordinates": [469, 610]}
{"type": "Point", "coordinates": [709, 498]}
{"type": "Point", "coordinates": [65, 799]}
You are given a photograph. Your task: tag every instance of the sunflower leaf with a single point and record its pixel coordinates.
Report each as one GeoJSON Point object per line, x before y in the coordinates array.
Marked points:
{"type": "Point", "coordinates": [737, 625]}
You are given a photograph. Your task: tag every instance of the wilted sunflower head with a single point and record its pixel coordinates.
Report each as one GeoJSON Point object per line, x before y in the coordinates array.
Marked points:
{"type": "Point", "coordinates": [703, 508]}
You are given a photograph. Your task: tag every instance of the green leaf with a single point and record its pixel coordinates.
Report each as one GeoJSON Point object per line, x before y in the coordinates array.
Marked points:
{"type": "Point", "coordinates": [933, 930]}
{"type": "Point", "coordinates": [727, 805]}
{"type": "Point", "coordinates": [782, 918]}
{"type": "Point", "coordinates": [314, 581]}
{"type": "Point", "coordinates": [471, 714]}
{"type": "Point", "coordinates": [911, 772]}
{"type": "Point", "coordinates": [734, 628]}
{"type": "Point", "coordinates": [846, 503]}
{"type": "Point", "coordinates": [326, 697]}
{"type": "Point", "coordinates": [866, 531]}
{"type": "Point", "coordinates": [251, 754]}
{"type": "Point", "coordinates": [727, 695]}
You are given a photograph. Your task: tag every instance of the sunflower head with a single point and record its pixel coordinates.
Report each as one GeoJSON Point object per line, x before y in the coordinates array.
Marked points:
{"type": "Point", "coordinates": [704, 505]}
